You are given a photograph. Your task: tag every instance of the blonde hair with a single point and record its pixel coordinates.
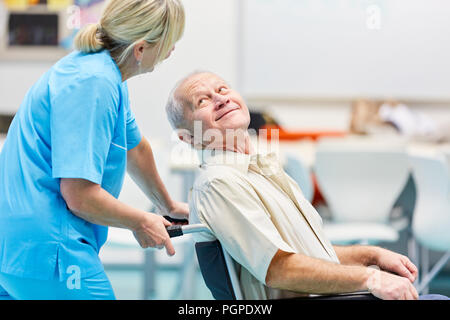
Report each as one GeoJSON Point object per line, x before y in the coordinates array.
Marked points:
{"type": "Point", "coordinates": [124, 23]}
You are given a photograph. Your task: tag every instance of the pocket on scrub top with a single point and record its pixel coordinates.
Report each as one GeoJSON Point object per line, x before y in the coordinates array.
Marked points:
{"type": "Point", "coordinates": [31, 258]}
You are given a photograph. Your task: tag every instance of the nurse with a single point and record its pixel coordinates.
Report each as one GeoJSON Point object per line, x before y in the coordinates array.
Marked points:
{"type": "Point", "coordinates": [66, 152]}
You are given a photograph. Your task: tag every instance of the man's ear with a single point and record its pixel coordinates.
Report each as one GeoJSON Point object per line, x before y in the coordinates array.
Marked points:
{"type": "Point", "coordinates": [185, 136]}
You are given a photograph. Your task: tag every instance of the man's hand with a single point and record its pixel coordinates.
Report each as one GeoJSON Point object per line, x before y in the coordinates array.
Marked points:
{"type": "Point", "coordinates": [388, 286]}
{"type": "Point", "coordinates": [396, 263]}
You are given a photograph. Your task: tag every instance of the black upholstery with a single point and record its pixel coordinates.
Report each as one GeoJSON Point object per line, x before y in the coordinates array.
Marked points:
{"type": "Point", "coordinates": [214, 271]}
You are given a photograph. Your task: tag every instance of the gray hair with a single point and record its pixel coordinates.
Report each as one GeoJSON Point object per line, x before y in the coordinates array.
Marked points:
{"type": "Point", "coordinates": [175, 109]}
{"type": "Point", "coordinates": [174, 105]}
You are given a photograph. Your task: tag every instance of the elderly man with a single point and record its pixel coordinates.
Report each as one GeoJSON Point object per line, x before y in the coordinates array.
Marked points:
{"type": "Point", "coordinates": [259, 214]}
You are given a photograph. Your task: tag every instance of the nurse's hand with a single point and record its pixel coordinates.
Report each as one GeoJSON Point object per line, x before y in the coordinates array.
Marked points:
{"type": "Point", "coordinates": [151, 232]}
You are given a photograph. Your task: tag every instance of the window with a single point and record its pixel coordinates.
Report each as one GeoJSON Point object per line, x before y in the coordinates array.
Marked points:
{"type": "Point", "coordinates": [36, 32]}
{"type": "Point", "coordinates": [32, 29]}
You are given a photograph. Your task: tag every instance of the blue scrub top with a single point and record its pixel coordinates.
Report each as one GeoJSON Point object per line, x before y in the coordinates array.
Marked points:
{"type": "Point", "coordinates": [75, 122]}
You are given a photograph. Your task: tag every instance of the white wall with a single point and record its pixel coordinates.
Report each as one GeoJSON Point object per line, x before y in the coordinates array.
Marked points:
{"type": "Point", "coordinates": [346, 48]}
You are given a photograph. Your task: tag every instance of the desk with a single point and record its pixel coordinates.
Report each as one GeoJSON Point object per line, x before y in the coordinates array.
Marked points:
{"type": "Point", "coordinates": [428, 149]}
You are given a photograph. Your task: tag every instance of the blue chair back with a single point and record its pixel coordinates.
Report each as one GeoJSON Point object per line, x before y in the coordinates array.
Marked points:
{"type": "Point", "coordinates": [295, 168]}
{"type": "Point", "coordinates": [214, 269]}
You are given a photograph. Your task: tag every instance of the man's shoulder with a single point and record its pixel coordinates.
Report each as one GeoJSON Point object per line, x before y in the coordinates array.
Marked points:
{"type": "Point", "coordinates": [216, 174]}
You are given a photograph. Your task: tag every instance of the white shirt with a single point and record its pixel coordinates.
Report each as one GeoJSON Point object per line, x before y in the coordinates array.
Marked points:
{"type": "Point", "coordinates": [254, 209]}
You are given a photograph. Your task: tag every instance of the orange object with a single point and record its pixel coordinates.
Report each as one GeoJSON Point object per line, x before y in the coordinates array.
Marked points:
{"type": "Point", "coordinates": [297, 135]}
{"type": "Point", "coordinates": [318, 198]}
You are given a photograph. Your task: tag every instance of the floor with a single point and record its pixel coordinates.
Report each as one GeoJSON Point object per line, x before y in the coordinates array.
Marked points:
{"type": "Point", "coordinates": [128, 285]}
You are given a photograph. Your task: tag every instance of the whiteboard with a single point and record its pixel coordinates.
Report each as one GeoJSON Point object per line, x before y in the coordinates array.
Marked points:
{"type": "Point", "coordinates": [346, 48]}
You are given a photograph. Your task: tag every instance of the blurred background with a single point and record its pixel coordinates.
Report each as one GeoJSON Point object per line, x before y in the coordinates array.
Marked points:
{"type": "Point", "coordinates": [359, 91]}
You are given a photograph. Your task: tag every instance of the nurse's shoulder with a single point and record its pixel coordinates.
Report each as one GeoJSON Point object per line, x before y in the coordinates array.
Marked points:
{"type": "Point", "coordinates": [93, 63]}
{"type": "Point", "coordinates": [78, 71]}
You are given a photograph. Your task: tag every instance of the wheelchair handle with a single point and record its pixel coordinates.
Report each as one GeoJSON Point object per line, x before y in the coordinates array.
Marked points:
{"type": "Point", "coordinates": [177, 231]}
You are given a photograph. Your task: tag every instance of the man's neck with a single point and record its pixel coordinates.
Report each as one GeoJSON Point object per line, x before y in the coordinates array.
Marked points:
{"type": "Point", "coordinates": [243, 147]}
{"type": "Point", "coordinates": [240, 144]}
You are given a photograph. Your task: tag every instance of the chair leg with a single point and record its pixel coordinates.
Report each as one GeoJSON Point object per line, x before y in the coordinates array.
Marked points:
{"type": "Point", "coordinates": [434, 271]}
{"type": "Point", "coordinates": [188, 272]}
{"type": "Point", "coordinates": [185, 288]}
{"type": "Point", "coordinates": [149, 274]}
{"type": "Point", "coordinates": [425, 267]}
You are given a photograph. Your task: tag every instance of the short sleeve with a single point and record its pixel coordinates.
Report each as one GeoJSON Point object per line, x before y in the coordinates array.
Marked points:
{"type": "Point", "coordinates": [83, 118]}
{"type": "Point", "coordinates": [236, 216]}
{"type": "Point", "coordinates": [133, 133]}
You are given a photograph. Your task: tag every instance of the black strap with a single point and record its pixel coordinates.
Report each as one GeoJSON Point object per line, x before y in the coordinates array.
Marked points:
{"type": "Point", "coordinates": [174, 231]}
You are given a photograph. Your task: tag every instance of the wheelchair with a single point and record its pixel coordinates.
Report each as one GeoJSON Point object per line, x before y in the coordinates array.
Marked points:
{"type": "Point", "coordinates": [219, 273]}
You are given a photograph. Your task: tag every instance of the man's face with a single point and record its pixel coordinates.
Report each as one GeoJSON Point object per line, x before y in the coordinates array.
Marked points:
{"type": "Point", "coordinates": [209, 100]}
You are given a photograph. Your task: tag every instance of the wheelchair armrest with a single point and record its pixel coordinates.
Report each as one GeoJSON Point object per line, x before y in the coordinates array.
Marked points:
{"type": "Point", "coordinates": [342, 296]}
{"type": "Point", "coordinates": [179, 230]}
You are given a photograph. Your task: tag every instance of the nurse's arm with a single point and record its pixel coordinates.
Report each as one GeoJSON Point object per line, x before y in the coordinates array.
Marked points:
{"type": "Point", "coordinates": [141, 167]}
{"type": "Point", "coordinates": [92, 203]}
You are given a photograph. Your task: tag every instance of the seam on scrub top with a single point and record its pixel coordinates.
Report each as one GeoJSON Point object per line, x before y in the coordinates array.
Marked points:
{"type": "Point", "coordinates": [118, 146]}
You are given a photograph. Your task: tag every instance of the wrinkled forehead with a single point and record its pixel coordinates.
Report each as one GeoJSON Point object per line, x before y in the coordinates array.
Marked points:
{"type": "Point", "coordinates": [196, 84]}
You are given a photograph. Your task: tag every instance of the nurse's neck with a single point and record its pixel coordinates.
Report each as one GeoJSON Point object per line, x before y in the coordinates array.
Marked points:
{"type": "Point", "coordinates": [137, 64]}
{"type": "Point", "coordinates": [129, 70]}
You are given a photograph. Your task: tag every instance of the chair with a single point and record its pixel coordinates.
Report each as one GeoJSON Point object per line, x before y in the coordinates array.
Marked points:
{"type": "Point", "coordinates": [360, 180]}
{"type": "Point", "coordinates": [447, 156]}
{"type": "Point", "coordinates": [295, 168]}
{"type": "Point", "coordinates": [219, 271]}
{"type": "Point", "coordinates": [431, 218]}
